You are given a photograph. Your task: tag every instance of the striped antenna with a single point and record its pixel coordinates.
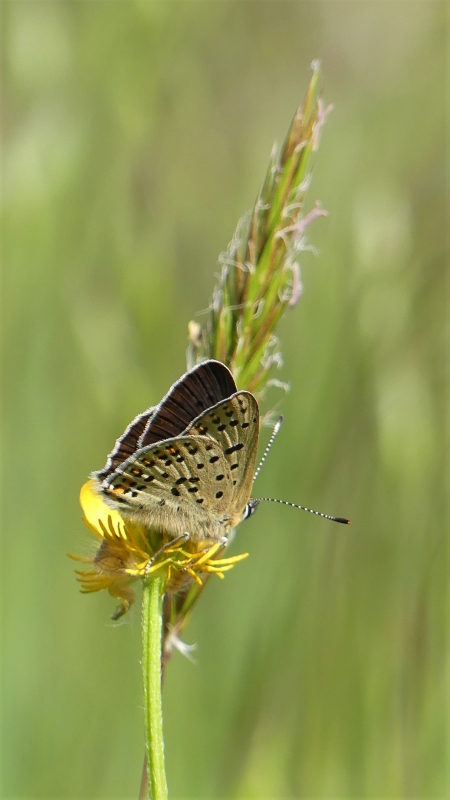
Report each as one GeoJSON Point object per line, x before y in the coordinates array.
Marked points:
{"type": "Point", "coordinates": [257, 500]}
{"type": "Point", "coordinates": [276, 428]}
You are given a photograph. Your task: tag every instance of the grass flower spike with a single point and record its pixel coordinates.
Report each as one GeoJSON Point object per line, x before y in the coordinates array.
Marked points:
{"type": "Point", "coordinates": [260, 276]}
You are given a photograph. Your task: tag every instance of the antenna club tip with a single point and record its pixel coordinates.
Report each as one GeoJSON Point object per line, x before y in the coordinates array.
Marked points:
{"type": "Point", "coordinates": [343, 520]}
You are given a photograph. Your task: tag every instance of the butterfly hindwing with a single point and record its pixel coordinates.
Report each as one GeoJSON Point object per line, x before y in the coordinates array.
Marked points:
{"type": "Point", "coordinates": [180, 485]}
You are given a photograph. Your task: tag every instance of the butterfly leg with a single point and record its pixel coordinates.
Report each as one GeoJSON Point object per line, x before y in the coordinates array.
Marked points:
{"type": "Point", "coordinates": [166, 546]}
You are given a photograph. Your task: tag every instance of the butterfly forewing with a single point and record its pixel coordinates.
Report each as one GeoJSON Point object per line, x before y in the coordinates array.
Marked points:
{"type": "Point", "coordinates": [203, 386]}
{"type": "Point", "coordinates": [234, 424]}
{"type": "Point", "coordinates": [126, 445]}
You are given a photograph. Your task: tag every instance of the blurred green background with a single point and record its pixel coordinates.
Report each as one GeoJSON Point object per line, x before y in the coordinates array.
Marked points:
{"type": "Point", "coordinates": [136, 134]}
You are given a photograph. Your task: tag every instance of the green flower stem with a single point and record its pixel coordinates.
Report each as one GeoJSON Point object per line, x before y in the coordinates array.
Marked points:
{"type": "Point", "coordinates": [152, 609]}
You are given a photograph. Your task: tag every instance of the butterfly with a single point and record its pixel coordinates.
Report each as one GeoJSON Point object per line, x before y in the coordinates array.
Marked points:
{"type": "Point", "coordinates": [187, 465]}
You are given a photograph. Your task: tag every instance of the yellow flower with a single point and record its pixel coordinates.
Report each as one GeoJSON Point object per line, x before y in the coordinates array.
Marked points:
{"type": "Point", "coordinates": [128, 551]}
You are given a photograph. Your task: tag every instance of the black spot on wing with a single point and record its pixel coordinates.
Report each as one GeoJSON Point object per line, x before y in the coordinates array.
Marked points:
{"type": "Point", "coordinates": [234, 448]}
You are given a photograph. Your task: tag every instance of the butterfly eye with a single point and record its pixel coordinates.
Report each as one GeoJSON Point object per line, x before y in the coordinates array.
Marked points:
{"type": "Point", "coordinates": [250, 509]}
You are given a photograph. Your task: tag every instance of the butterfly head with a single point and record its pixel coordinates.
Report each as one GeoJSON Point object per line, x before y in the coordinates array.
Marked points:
{"type": "Point", "coordinates": [250, 509]}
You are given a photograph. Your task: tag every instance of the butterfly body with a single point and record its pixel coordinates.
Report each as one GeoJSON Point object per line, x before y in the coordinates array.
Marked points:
{"type": "Point", "coordinates": [199, 480]}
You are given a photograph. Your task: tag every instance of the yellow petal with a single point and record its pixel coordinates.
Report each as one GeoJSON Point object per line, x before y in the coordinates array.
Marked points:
{"type": "Point", "coordinates": [208, 554]}
{"type": "Point", "coordinates": [96, 510]}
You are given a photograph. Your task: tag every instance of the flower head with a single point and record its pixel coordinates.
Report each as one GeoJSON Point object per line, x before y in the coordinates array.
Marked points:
{"type": "Point", "coordinates": [128, 551]}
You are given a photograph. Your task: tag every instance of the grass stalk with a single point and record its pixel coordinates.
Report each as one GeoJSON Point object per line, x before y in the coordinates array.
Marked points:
{"type": "Point", "coordinates": [152, 602]}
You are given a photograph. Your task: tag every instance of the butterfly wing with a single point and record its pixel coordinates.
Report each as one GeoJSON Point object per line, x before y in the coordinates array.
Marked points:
{"type": "Point", "coordinates": [207, 384]}
{"type": "Point", "coordinates": [183, 484]}
{"type": "Point", "coordinates": [126, 444]}
{"type": "Point", "coordinates": [203, 386]}
{"type": "Point", "coordinates": [234, 424]}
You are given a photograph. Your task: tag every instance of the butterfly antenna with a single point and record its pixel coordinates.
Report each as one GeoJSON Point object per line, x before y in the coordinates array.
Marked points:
{"type": "Point", "coordinates": [303, 508]}
{"type": "Point", "coordinates": [276, 428]}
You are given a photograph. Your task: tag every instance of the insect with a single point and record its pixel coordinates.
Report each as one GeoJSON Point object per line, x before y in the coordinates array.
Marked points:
{"type": "Point", "coordinates": [186, 467]}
